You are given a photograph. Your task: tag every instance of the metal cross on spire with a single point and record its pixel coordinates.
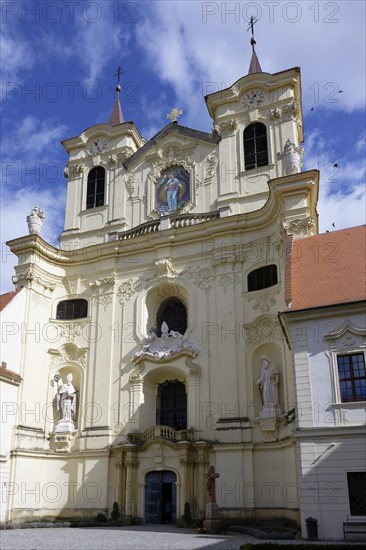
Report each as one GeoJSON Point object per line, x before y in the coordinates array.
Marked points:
{"type": "Point", "coordinates": [252, 22]}
{"type": "Point", "coordinates": [116, 116]}
{"type": "Point", "coordinates": [254, 66]}
{"type": "Point", "coordinates": [118, 73]}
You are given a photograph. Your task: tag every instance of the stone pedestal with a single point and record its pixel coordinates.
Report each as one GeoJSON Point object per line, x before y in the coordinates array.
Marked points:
{"type": "Point", "coordinates": [65, 426]}
{"type": "Point", "coordinates": [62, 441]}
{"type": "Point", "coordinates": [271, 410]}
{"type": "Point", "coordinates": [212, 517]}
{"type": "Point", "coordinates": [269, 420]}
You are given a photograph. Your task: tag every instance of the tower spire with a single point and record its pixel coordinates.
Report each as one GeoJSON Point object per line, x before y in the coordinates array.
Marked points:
{"type": "Point", "coordinates": [254, 66]}
{"type": "Point", "coordinates": [116, 116]}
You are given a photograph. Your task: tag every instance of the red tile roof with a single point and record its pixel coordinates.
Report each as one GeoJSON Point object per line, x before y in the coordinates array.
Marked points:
{"type": "Point", "coordinates": [6, 298]}
{"type": "Point", "coordinates": [327, 269]}
{"type": "Point", "coordinates": [10, 375]}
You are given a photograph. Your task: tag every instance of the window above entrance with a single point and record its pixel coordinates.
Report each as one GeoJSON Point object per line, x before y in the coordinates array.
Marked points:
{"type": "Point", "coordinates": [174, 313]}
{"type": "Point", "coordinates": [172, 405]}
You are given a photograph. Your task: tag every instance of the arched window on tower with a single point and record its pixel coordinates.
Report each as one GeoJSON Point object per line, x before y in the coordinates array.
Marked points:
{"type": "Point", "coordinates": [174, 313]}
{"type": "Point", "coordinates": [95, 188]}
{"type": "Point", "coordinates": [171, 407]}
{"type": "Point", "coordinates": [255, 146]}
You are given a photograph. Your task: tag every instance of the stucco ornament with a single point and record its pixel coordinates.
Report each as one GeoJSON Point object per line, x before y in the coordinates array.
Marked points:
{"type": "Point", "coordinates": [127, 289]}
{"type": "Point", "coordinates": [300, 227]}
{"type": "Point", "coordinates": [164, 268]}
{"type": "Point", "coordinates": [170, 344]}
{"type": "Point", "coordinates": [227, 127]}
{"type": "Point", "coordinates": [35, 221]}
{"type": "Point", "coordinates": [210, 167]}
{"type": "Point", "coordinates": [275, 113]}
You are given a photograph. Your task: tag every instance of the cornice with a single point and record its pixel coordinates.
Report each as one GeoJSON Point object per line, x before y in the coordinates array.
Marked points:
{"type": "Point", "coordinates": [288, 185]}
{"type": "Point", "coordinates": [127, 128]}
{"type": "Point", "coordinates": [56, 455]}
{"type": "Point", "coordinates": [334, 432]}
{"type": "Point", "coordinates": [257, 220]}
{"type": "Point", "coordinates": [324, 312]}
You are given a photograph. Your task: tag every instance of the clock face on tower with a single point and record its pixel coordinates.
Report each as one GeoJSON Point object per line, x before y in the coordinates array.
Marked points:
{"type": "Point", "coordinates": [253, 98]}
{"type": "Point", "coordinates": [97, 145]}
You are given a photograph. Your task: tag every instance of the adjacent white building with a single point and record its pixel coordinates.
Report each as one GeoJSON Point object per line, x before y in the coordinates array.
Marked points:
{"type": "Point", "coordinates": [326, 329]}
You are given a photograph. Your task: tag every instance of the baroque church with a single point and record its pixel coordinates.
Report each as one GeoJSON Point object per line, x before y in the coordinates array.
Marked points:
{"type": "Point", "coordinates": [176, 327]}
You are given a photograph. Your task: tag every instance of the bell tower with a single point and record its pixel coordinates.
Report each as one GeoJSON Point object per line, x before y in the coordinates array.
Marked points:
{"type": "Point", "coordinates": [260, 121]}
{"type": "Point", "coordinates": [96, 200]}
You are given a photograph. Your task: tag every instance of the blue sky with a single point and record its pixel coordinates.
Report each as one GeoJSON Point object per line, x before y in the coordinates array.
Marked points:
{"type": "Point", "coordinates": [58, 60]}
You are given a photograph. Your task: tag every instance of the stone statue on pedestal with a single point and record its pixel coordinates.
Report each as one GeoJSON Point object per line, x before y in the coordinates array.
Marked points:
{"type": "Point", "coordinates": [268, 382]}
{"type": "Point", "coordinates": [271, 411]}
{"type": "Point", "coordinates": [66, 405]}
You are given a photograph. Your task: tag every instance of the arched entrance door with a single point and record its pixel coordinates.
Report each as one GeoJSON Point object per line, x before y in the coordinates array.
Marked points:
{"type": "Point", "coordinates": [160, 497]}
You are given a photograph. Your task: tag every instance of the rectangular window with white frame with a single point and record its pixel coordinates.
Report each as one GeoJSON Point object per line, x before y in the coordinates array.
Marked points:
{"type": "Point", "coordinates": [352, 377]}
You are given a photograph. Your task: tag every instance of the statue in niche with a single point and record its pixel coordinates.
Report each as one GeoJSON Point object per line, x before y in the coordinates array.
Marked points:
{"type": "Point", "coordinates": [268, 382]}
{"type": "Point", "coordinates": [66, 400]}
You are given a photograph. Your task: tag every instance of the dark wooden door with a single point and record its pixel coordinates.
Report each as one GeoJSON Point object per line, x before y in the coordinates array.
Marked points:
{"type": "Point", "coordinates": [161, 497]}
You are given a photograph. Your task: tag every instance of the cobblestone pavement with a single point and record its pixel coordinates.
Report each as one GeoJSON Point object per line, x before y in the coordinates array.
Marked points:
{"type": "Point", "coordinates": [149, 537]}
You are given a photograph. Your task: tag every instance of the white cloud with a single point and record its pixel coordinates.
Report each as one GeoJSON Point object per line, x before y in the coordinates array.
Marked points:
{"type": "Point", "coordinates": [32, 156]}
{"type": "Point", "coordinates": [94, 42]}
{"type": "Point", "coordinates": [342, 195]}
{"type": "Point", "coordinates": [345, 210]}
{"type": "Point", "coordinates": [154, 112]}
{"type": "Point", "coordinates": [188, 44]}
{"type": "Point", "coordinates": [16, 55]}
{"type": "Point", "coordinates": [360, 146]}
{"type": "Point", "coordinates": [36, 136]}
{"type": "Point", "coordinates": [97, 45]}
{"type": "Point", "coordinates": [33, 137]}
{"type": "Point", "coordinates": [29, 158]}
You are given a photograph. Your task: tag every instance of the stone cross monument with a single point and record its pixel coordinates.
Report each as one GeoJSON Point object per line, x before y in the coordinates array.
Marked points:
{"type": "Point", "coordinates": [212, 510]}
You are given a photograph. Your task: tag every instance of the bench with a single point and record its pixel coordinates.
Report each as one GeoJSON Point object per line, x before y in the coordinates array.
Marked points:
{"type": "Point", "coordinates": [356, 528]}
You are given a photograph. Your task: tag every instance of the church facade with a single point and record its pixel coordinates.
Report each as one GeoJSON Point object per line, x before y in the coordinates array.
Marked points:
{"type": "Point", "coordinates": [152, 345]}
